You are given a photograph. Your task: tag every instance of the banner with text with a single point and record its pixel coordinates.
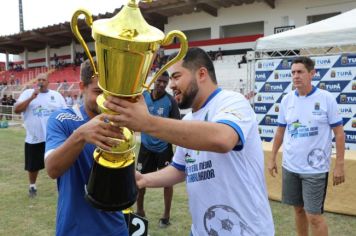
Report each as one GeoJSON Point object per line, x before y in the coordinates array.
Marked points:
{"type": "Point", "coordinates": [335, 73]}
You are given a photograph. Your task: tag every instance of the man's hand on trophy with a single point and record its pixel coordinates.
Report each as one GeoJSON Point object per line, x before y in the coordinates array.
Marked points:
{"type": "Point", "coordinates": [132, 114]}
{"type": "Point", "coordinates": [100, 132]}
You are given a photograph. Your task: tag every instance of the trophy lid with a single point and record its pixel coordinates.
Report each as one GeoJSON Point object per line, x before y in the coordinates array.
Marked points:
{"type": "Point", "coordinates": [129, 25]}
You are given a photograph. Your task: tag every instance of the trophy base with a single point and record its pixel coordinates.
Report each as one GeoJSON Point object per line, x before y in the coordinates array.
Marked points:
{"type": "Point", "coordinates": [111, 189]}
{"type": "Point", "coordinates": [106, 207]}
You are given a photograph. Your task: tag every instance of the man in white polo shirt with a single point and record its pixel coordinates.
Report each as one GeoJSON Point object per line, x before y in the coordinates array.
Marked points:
{"type": "Point", "coordinates": [306, 118]}
{"type": "Point", "coordinates": [36, 105]}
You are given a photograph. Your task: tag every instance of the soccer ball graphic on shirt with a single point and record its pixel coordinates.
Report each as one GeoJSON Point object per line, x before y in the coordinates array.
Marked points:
{"type": "Point", "coordinates": [317, 159]}
{"type": "Point", "coordinates": [224, 220]}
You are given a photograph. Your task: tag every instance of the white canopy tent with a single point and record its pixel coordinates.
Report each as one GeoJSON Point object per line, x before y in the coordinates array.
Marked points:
{"type": "Point", "coordinates": [333, 38]}
{"type": "Point", "coordinates": [338, 31]}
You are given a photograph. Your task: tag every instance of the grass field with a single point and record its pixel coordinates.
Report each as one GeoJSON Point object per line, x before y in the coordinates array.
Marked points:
{"type": "Point", "coordinates": [20, 215]}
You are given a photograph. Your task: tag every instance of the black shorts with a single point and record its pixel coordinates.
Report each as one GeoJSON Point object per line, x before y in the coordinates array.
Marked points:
{"type": "Point", "coordinates": [34, 156]}
{"type": "Point", "coordinates": [149, 161]}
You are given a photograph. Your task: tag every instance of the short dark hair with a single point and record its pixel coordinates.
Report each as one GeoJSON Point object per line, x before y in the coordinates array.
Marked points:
{"type": "Point", "coordinates": [306, 61]}
{"type": "Point", "coordinates": [165, 73]}
{"type": "Point", "coordinates": [86, 72]}
{"type": "Point", "coordinates": [196, 58]}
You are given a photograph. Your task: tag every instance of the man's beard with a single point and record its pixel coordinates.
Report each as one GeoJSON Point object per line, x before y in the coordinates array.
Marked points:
{"type": "Point", "coordinates": [189, 96]}
{"type": "Point", "coordinates": [96, 110]}
{"type": "Point", "coordinates": [92, 107]}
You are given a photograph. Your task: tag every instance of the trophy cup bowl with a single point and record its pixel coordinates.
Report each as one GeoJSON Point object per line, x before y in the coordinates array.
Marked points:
{"type": "Point", "coordinates": [125, 46]}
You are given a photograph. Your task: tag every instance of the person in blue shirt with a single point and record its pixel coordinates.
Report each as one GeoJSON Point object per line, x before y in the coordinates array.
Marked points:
{"type": "Point", "coordinates": [72, 135]}
{"type": "Point", "coordinates": [155, 153]}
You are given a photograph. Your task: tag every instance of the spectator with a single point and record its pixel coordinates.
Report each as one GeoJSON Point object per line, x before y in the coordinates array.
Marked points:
{"type": "Point", "coordinates": [65, 85]}
{"type": "Point", "coordinates": [11, 65]}
{"type": "Point", "coordinates": [218, 55]}
{"type": "Point", "coordinates": [3, 109]}
{"type": "Point", "coordinates": [10, 103]}
{"type": "Point", "coordinates": [12, 79]}
{"type": "Point", "coordinates": [242, 86]}
{"type": "Point", "coordinates": [68, 99]}
{"type": "Point", "coordinates": [154, 153]}
{"type": "Point", "coordinates": [242, 61]}
{"type": "Point", "coordinates": [161, 53]}
{"type": "Point", "coordinates": [211, 55]}
{"type": "Point", "coordinates": [61, 63]}
{"type": "Point", "coordinates": [37, 104]}
{"type": "Point", "coordinates": [56, 61]}
{"type": "Point", "coordinates": [76, 61]}
{"type": "Point", "coordinates": [18, 67]}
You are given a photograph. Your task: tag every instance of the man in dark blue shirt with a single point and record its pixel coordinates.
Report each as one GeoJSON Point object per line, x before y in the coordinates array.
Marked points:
{"type": "Point", "coordinates": [154, 153]}
{"type": "Point", "coordinates": [72, 136]}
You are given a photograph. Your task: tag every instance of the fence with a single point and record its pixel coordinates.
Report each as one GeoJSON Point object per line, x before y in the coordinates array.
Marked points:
{"type": "Point", "coordinates": [7, 114]}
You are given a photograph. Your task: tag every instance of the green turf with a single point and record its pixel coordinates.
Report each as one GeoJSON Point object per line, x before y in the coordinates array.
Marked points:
{"type": "Point", "coordinates": [20, 215]}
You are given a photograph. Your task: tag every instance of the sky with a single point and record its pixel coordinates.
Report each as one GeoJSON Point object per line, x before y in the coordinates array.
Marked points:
{"type": "Point", "coordinates": [41, 13]}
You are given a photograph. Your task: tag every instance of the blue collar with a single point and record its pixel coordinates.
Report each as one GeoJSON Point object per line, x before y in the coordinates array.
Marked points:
{"type": "Point", "coordinates": [310, 93]}
{"type": "Point", "coordinates": [84, 113]}
{"type": "Point", "coordinates": [211, 96]}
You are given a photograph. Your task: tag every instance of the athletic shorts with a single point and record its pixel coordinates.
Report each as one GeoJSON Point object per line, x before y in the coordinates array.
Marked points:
{"type": "Point", "coordinates": [307, 190]}
{"type": "Point", "coordinates": [149, 161]}
{"type": "Point", "coordinates": [34, 156]}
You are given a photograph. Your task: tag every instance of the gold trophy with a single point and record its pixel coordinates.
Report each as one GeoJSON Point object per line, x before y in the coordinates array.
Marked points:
{"type": "Point", "coordinates": [125, 46]}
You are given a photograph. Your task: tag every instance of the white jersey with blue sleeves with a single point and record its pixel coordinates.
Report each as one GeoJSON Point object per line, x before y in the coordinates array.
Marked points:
{"type": "Point", "coordinates": [307, 139]}
{"type": "Point", "coordinates": [227, 191]}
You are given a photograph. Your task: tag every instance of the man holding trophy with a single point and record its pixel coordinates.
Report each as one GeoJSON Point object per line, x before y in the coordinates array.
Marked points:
{"type": "Point", "coordinates": [219, 152]}
{"type": "Point", "coordinates": [104, 176]}
{"type": "Point", "coordinates": [72, 136]}
{"type": "Point", "coordinates": [125, 47]}
{"type": "Point", "coordinates": [217, 143]}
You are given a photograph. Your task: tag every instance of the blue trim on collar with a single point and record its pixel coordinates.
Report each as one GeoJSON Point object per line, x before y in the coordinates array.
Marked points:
{"type": "Point", "coordinates": [84, 113]}
{"type": "Point", "coordinates": [310, 93]}
{"type": "Point", "coordinates": [211, 96]}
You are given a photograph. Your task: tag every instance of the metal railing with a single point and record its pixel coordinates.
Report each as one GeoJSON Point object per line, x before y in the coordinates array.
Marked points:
{"type": "Point", "coordinates": [7, 114]}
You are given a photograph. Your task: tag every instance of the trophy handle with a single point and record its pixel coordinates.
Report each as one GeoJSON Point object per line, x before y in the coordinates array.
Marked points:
{"type": "Point", "coordinates": [183, 50]}
{"type": "Point", "coordinates": [75, 30]}
{"type": "Point", "coordinates": [135, 2]}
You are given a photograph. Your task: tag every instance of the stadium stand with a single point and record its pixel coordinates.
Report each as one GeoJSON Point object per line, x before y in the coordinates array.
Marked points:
{"type": "Point", "coordinates": [13, 77]}
{"type": "Point", "coordinates": [63, 80]}
{"type": "Point", "coordinates": [229, 75]}
{"type": "Point", "coordinates": [70, 74]}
